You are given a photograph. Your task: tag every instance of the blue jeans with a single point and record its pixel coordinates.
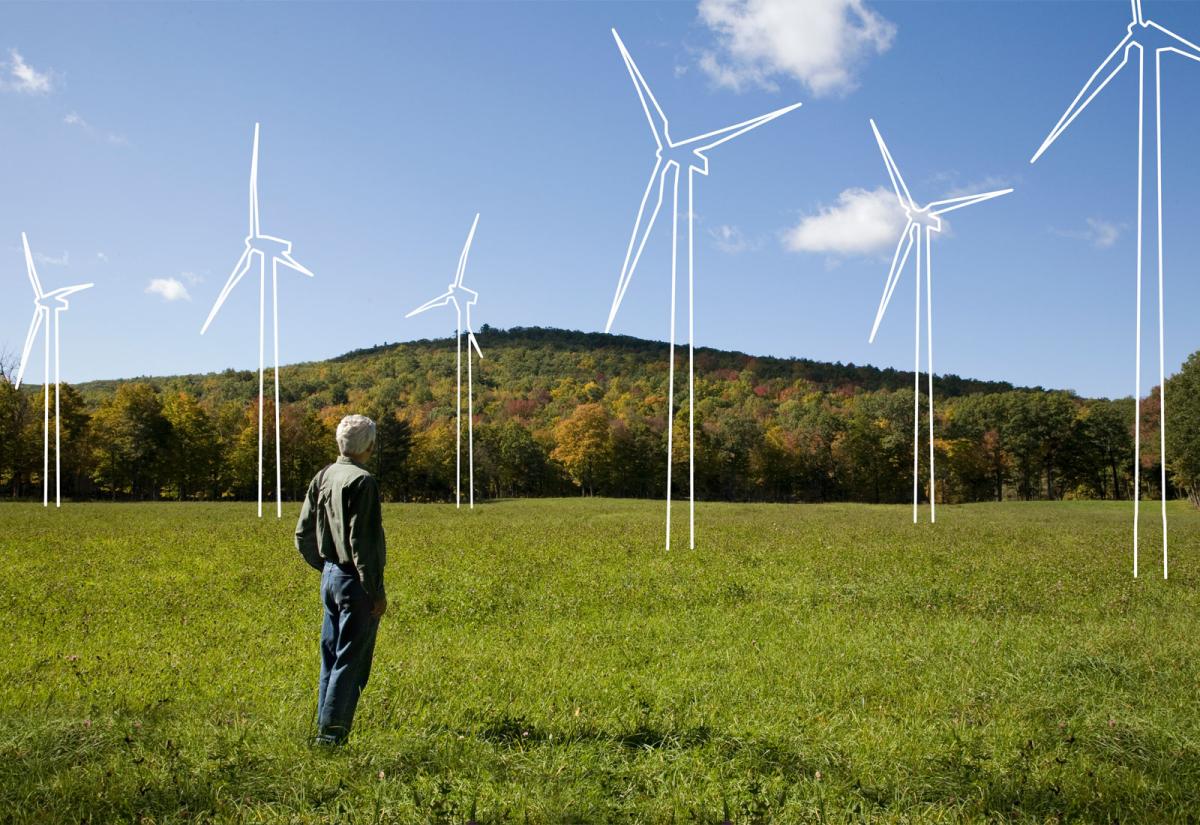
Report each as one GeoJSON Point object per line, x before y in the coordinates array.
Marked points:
{"type": "Point", "coordinates": [347, 645]}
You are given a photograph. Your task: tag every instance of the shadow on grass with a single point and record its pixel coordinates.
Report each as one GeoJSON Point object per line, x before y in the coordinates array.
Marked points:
{"type": "Point", "coordinates": [67, 771]}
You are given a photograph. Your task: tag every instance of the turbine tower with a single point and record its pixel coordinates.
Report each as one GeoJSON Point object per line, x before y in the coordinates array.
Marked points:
{"type": "Point", "coordinates": [1150, 40]}
{"type": "Point", "coordinates": [461, 298]}
{"type": "Point", "coordinates": [260, 248]}
{"type": "Point", "coordinates": [922, 222]}
{"type": "Point", "coordinates": [47, 306]}
{"type": "Point", "coordinates": [671, 158]}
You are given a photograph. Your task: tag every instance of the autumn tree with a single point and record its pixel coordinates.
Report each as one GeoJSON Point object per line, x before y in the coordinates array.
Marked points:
{"type": "Point", "coordinates": [583, 446]}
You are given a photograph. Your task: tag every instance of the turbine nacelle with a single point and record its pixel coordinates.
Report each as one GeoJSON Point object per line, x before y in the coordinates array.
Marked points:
{"type": "Point", "coordinates": [683, 156]}
{"type": "Point", "coordinates": [1153, 37]}
{"type": "Point", "coordinates": [469, 296]}
{"type": "Point", "coordinates": [924, 217]}
{"type": "Point", "coordinates": [268, 246]}
{"type": "Point", "coordinates": [57, 299]}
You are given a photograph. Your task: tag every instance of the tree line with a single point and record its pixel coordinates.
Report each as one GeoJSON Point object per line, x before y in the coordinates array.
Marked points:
{"type": "Point", "coordinates": [561, 413]}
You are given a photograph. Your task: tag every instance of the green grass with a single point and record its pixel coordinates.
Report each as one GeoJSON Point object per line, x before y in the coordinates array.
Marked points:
{"type": "Point", "coordinates": [546, 661]}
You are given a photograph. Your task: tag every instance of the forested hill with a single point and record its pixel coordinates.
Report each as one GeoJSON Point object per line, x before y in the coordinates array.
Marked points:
{"type": "Point", "coordinates": [528, 358]}
{"type": "Point", "coordinates": [560, 413]}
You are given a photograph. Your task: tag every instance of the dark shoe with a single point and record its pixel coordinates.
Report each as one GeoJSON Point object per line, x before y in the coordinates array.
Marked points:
{"type": "Point", "coordinates": [331, 737]}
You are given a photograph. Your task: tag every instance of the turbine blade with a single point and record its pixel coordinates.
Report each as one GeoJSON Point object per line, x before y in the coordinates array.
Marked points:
{"type": "Point", "coordinates": [898, 184]}
{"type": "Point", "coordinates": [34, 326]}
{"type": "Point", "coordinates": [286, 259]}
{"type": "Point", "coordinates": [439, 301]}
{"type": "Point", "coordinates": [1137, 11]}
{"type": "Point", "coordinates": [950, 204]}
{"type": "Point", "coordinates": [474, 343]}
{"type": "Point", "coordinates": [719, 136]}
{"type": "Point", "coordinates": [1095, 84]}
{"type": "Point", "coordinates": [899, 258]}
{"type": "Point", "coordinates": [637, 239]}
{"type": "Point", "coordinates": [239, 270]}
{"type": "Point", "coordinates": [656, 118]}
{"type": "Point", "coordinates": [254, 225]}
{"type": "Point", "coordinates": [70, 290]}
{"type": "Point", "coordinates": [29, 268]}
{"type": "Point", "coordinates": [462, 258]}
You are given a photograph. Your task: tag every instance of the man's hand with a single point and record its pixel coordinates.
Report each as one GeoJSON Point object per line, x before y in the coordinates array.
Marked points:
{"type": "Point", "coordinates": [379, 607]}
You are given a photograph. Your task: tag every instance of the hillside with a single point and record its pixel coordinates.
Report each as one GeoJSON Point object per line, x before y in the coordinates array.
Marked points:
{"type": "Point", "coordinates": [560, 412]}
{"type": "Point", "coordinates": [528, 358]}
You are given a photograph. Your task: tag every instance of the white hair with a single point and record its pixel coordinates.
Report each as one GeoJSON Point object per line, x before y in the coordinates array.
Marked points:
{"type": "Point", "coordinates": [355, 435]}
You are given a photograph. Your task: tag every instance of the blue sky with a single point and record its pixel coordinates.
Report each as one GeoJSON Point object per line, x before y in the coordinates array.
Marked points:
{"type": "Point", "coordinates": [126, 131]}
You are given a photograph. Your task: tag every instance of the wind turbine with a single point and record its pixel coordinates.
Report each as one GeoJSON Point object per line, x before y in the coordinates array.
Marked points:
{"type": "Point", "coordinates": [1143, 35]}
{"type": "Point", "coordinates": [46, 308]}
{"type": "Point", "coordinates": [456, 292]}
{"type": "Point", "coordinates": [922, 222]}
{"type": "Point", "coordinates": [262, 248]}
{"type": "Point", "coordinates": [671, 157]}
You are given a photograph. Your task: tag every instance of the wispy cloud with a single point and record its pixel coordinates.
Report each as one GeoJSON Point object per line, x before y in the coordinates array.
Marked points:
{"type": "Point", "coordinates": [101, 257]}
{"type": "Point", "coordinates": [990, 183]}
{"type": "Point", "coordinates": [820, 43]}
{"type": "Point", "coordinates": [78, 121]}
{"type": "Point", "coordinates": [23, 78]}
{"type": "Point", "coordinates": [1099, 233]}
{"type": "Point", "coordinates": [49, 260]}
{"type": "Point", "coordinates": [862, 222]}
{"type": "Point", "coordinates": [169, 289]}
{"type": "Point", "coordinates": [730, 239]}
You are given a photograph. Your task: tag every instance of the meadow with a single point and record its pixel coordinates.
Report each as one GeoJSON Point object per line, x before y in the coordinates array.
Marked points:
{"type": "Point", "coordinates": [545, 661]}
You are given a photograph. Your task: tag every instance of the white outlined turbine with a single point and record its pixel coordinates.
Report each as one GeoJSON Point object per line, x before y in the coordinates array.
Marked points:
{"type": "Point", "coordinates": [671, 157]}
{"type": "Point", "coordinates": [278, 251]}
{"type": "Point", "coordinates": [1143, 35]}
{"type": "Point", "coordinates": [922, 222]}
{"type": "Point", "coordinates": [461, 298]}
{"type": "Point", "coordinates": [47, 307]}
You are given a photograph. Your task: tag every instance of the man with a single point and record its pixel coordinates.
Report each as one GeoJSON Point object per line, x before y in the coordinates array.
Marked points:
{"type": "Point", "coordinates": [340, 533]}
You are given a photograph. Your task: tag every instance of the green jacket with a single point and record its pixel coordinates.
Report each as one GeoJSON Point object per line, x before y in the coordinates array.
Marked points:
{"type": "Point", "coordinates": [341, 522]}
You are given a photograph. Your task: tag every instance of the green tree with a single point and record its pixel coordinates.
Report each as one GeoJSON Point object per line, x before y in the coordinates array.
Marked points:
{"type": "Point", "coordinates": [1183, 432]}
{"type": "Point", "coordinates": [131, 445]}
{"type": "Point", "coordinates": [393, 444]}
{"type": "Point", "coordinates": [194, 448]}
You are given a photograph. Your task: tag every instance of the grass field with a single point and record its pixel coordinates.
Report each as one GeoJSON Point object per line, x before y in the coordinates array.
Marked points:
{"type": "Point", "coordinates": [546, 661]}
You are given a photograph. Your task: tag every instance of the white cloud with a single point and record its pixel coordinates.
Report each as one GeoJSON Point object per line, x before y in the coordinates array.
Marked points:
{"type": "Point", "coordinates": [817, 42]}
{"type": "Point", "coordinates": [24, 78]}
{"type": "Point", "coordinates": [171, 289]}
{"type": "Point", "coordinates": [730, 239]}
{"type": "Point", "coordinates": [101, 257]}
{"type": "Point", "coordinates": [1101, 234]}
{"type": "Point", "coordinates": [192, 278]}
{"type": "Point", "coordinates": [48, 260]}
{"type": "Point", "coordinates": [862, 222]}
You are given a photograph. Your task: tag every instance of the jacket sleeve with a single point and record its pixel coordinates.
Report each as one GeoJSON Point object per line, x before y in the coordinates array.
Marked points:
{"type": "Point", "coordinates": [367, 544]}
{"type": "Point", "coordinates": [306, 528]}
